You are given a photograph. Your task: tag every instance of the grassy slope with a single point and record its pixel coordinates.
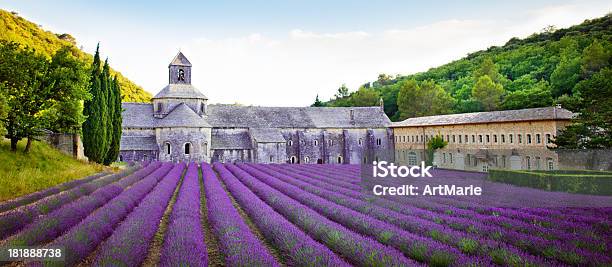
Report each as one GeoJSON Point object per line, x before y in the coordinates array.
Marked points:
{"type": "Point", "coordinates": [43, 167]}
{"type": "Point", "coordinates": [17, 29]}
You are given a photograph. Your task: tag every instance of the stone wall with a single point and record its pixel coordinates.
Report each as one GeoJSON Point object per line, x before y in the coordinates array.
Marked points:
{"type": "Point", "coordinates": [69, 144]}
{"type": "Point", "coordinates": [197, 138]}
{"type": "Point", "coordinates": [585, 159]}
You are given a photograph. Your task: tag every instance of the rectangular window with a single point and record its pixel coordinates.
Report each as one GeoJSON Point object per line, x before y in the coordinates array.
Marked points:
{"type": "Point", "coordinates": [453, 138]}
{"type": "Point", "coordinates": [503, 138]}
{"type": "Point", "coordinates": [450, 155]}
{"type": "Point", "coordinates": [473, 139]}
{"type": "Point", "coordinates": [548, 139]}
{"type": "Point", "coordinates": [488, 139]}
{"type": "Point", "coordinates": [495, 138]}
{"type": "Point", "coordinates": [528, 138]}
{"type": "Point", "coordinates": [447, 138]}
{"type": "Point", "coordinates": [466, 138]}
{"type": "Point", "coordinates": [538, 139]}
{"type": "Point", "coordinates": [480, 138]}
{"type": "Point", "coordinates": [510, 136]}
{"type": "Point", "coordinates": [459, 139]}
{"type": "Point", "coordinates": [520, 138]}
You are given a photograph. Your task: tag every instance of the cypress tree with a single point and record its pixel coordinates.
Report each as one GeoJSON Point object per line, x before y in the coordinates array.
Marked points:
{"type": "Point", "coordinates": [91, 126]}
{"type": "Point", "coordinates": [113, 151]}
{"type": "Point", "coordinates": [106, 119]}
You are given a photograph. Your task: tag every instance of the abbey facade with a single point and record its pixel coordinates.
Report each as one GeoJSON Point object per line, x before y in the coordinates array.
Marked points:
{"type": "Point", "coordinates": [180, 126]}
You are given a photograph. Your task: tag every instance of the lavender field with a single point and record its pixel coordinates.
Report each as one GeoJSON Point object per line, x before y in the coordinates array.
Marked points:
{"type": "Point", "coordinates": [163, 214]}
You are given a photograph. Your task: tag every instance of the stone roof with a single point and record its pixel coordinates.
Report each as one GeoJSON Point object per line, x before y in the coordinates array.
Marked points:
{"type": "Point", "coordinates": [182, 116]}
{"type": "Point", "coordinates": [142, 143]}
{"type": "Point", "coordinates": [267, 135]}
{"type": "Point", "coordinates": [296, 117]}
{"type": "Point", "coordinates": [529, 114]}
{"type": "Point", "coordinates": [180, 90]}
{"type": "Point", "coordinates": [180, 60]}
{"type": "Point", "coordinates": [138, 115]}
{"type": "Point", "coordinates": [230, 140]}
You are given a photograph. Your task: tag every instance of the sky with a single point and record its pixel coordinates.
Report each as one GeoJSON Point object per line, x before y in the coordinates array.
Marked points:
{"type": "Point", "coordinates": [284, 53]}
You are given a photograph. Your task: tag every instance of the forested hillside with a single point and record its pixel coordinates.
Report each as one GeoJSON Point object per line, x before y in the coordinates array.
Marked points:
{"type": "Point", "coordinates": [544, 69]}
{"type": "Point", "coordinates": [17, 29]}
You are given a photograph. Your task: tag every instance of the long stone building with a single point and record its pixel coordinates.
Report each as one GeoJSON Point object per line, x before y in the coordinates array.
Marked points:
{"type": "Point", "coordinates": [511, 139]}
{"type": "Point", "coordinates": [180, 126]}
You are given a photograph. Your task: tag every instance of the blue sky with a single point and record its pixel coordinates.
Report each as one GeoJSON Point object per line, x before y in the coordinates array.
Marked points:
{"type": "Point", "coordinates": [246, 51]}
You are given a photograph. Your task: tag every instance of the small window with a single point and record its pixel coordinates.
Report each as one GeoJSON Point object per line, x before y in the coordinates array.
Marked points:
{"type": "Point", "coordinates": [480, 138]}
{"type": "Point", "coordinates": [466, 138]}
{"type": "Point", "coordinates": [495, 138]}
{"type": "Point", "coordinates": [339, 159]}
{"type": "Point", "coordinates": [459, 139]}
{"type": "Point", "coordinates": [510, 136]}
{"type": "Point", "coordinates": [443, 157]}
{"type": "Point", "coordinates": [412, 138]}
{"type": "Point", "coordinates": [306, 159]}
{"type": "Point", "coordinates": [503, 159]}
{"type": "Point", "coordinates": [315, 142]}
{"type": "Point", "coordinates": [360, 141]}
{"type": "Point", "coordinates": [488, 139]}
{"type": "Point", "coordinates": [145, 157]}
{"type": "Point", "coordinates": [293, 160]}
{"type": "Point", "coordinates": [538, 139]}
{"type": "Point", "coordinates": [537, 163]}
{"type": "Point", "coordinates": [187, 148]}
{"type": "Point", "coordinates": [485, 168]}
{"type": "Point", "coordinates": [503, 138]}
{"type": "Point", "coordinates": [450, 156]}
{"type": "Point", "coordinates": [160, 107]}
{"type": "Point", "coordinates": [520, 138]}
{"type": "Point", "coordinates": [447, 138]}
{"type": "Point", "coordinates": [528, 138]}
{"type": "Point", "coordinates": [271, 158]}
{"type": "Point", "coordinates": [330, 142]}
{"type": "Point", "coordinates": [290, 143]}
{"type": "Point", "coordinates": [548, 141]}
{"type": "Point", "coordinates": [453, 138]}
{"type": "Point", "coordinates": [168, 148]}
{"type": "Point", "coordinates": [121, 158]}
{"type": "Point", "coordinates": [378, 141]}
{"type": "Point", "coordinates": [473, 138]}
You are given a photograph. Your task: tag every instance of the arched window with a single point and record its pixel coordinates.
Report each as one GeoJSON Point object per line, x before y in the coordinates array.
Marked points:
{"type": "Point", "coordinates": [205, 148]}
{"type": "Point", "coordinates": [290, 143]}
{"type": "Point", "coordinates": [315, 142]}
{"type": "Point", "coordinates": [293, 160]}
{"type": "Point", "coordinates": [187, 148]}
{"type": "Point", "coordinates": [201, 107]}
{"type": "Point", "coordinates": [181, 75]}
{"type": "Point", "coordinates": [306, 159]}
{"type": "Point", "coordinates": [120, 157]}
{"type": "Point", "coordinates": [339, 159]}
{"type": "Point", "coordinates": [360, 141]}
{"type": "Point", "coordinates": [168, 148]}
{"type": "Point", "coordinates": [528, 163]}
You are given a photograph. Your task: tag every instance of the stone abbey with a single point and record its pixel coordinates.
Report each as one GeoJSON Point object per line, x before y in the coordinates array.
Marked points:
{"type": "Point", "coordinates": [181, 126]}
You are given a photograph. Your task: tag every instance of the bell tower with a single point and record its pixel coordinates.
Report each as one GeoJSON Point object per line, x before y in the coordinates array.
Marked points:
{"type": "Point", "coordinates": [179, 70]}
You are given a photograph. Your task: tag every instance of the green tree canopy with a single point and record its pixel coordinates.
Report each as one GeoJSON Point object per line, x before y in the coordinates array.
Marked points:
{"type": "Point", "coordinates": [488, 93]}
{"type": "Point", "coordinates": [594, 58]}
{"type": "Point", "coordinates": [537, 96]}
{"type": "Point", "coordinates": [364, 97]}
{"type": "Point", "coordinates": [426, 98]}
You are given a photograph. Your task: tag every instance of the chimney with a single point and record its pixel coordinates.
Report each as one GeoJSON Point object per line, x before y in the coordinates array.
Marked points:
{"type": "Point", "coordinates": [381, 103]}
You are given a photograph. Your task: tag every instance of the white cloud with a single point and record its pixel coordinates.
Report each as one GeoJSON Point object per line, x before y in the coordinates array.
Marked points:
{"type": "Point", "coordinates": [290, 70]}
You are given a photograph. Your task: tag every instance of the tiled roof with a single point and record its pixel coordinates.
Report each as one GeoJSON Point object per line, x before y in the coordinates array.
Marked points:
{"type": "Point", "coordinates": [180, 60]}
{"type": "Point", "coordinates": [267, 135]}
{"type": "Point", "coordinates": [182, 116]}
{"type": "Point", "coordinates": [145, 143]}
{"type": "Point", "coordinates": [180, 90]}
{"type": "Point", "coordinates": [230, 140]}
{"type": "Point", "coordinates": [530, 114]}
{"type": "Point", "coordinates": [138, 115]}
{"type": "Point", "coordinates": [296, 117]}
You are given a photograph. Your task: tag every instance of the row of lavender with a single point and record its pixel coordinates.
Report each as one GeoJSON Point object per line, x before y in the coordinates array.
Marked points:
{"type": "Point", "coordinates": [578, 238]}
